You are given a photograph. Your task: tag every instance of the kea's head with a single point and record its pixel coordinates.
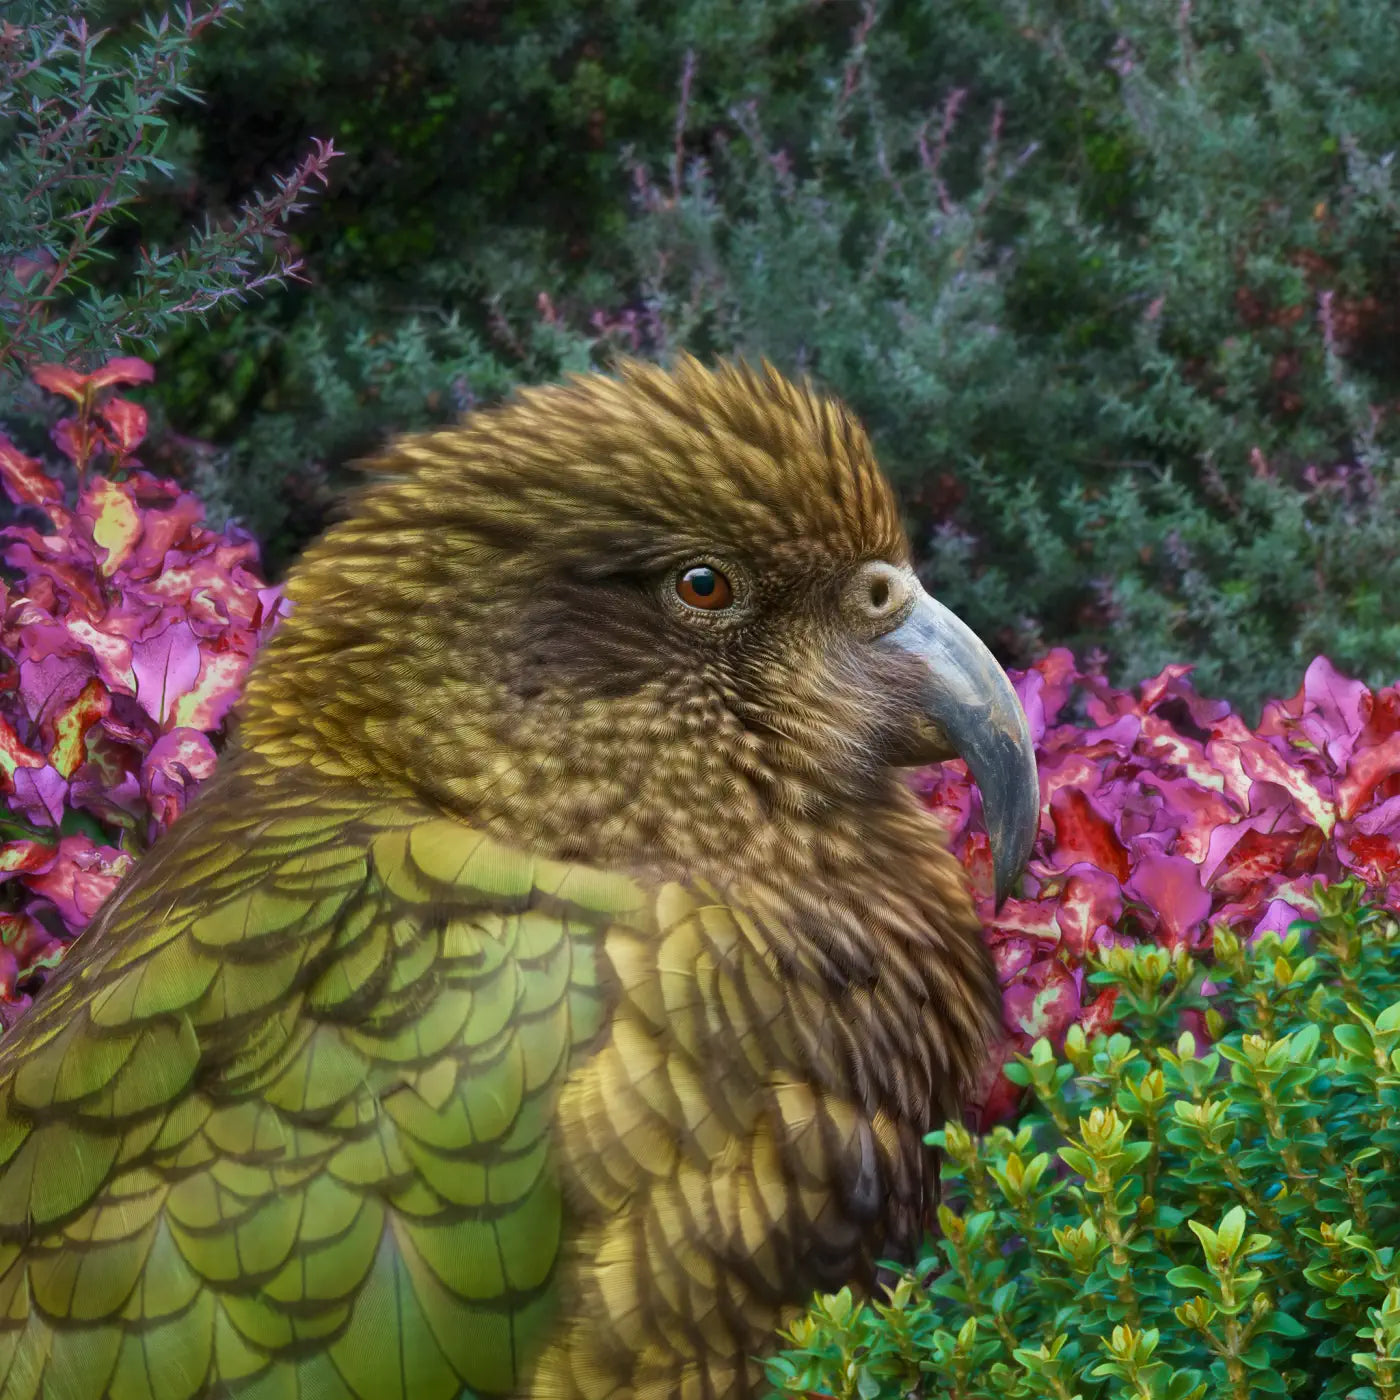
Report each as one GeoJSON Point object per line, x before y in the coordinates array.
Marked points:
{"type": "Point", "coordinates": [638, 617]}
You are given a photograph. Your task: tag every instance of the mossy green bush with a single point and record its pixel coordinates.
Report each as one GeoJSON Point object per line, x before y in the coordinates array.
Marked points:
{"type": "Point", "coordinates": [1113, 284]}
{"type": "Point", "coordinates": [1172, 1220]}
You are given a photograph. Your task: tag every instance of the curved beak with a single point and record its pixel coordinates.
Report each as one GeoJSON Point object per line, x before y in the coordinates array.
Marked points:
{"type": "Point", "coordinates": [970, 711]}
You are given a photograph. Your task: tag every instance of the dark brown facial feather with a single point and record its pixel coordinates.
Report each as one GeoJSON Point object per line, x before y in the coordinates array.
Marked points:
{"type": "Point", "coordinates": [598, 637]}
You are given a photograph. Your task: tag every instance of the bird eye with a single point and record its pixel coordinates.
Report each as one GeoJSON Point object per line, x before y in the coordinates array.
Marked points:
{"type": "Point", "coordinates": [704, 587]}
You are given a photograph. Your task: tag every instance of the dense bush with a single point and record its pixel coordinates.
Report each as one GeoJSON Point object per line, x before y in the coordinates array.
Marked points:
{"type": "Point", "coordinates": [481, 169]}
{"type": "Point", "coordinates": [125, 632]}
{"type": "Point", "coordinates": [1134, 364]}
{"type": "Point", "coordinates": [1165, 818]}
{"type": "Point", "coordinates": [1113, 285]}
{"type": "Point", "coordinates": [1169, 1222]}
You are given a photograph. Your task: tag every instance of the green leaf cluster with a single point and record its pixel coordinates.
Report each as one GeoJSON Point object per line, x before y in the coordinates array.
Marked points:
{"type": "Point", "coordinates": [1172, 1219]}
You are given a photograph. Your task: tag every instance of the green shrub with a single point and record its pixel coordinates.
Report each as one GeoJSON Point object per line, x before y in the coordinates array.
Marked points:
{"type": "Point", "coordinates": [1126, 343]}
{"type": "Point", "coordinates": [1168, 1223]}
{"type": "Point", "coordinates": [83, 130]}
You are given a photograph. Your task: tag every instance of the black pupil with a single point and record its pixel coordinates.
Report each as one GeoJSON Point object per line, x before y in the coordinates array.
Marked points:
{"type": "Point", "coordinates": [703, 581]}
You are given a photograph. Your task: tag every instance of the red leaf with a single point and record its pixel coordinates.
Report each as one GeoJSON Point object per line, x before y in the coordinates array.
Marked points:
{"type": "Point", "coordinates": [1264, 764]}
{"type": "Point", "coordinates": [78, 440]}
{"type": "Point", "coordinates": [1170, 886]}
{"type": "Point", "coordinates": [1256, 857]}
{"type": "Point", "coordinates": [996, 1098]}
{"type": "Point", "coordinates": [1099, 1017]}
{"type": "Point", "coordinates": [1044, 1000]}
{"type": "Point", "coordinates": [114, 520]}
{"type": "Point", "coordinates": [166, 666]}
{"type": "Point", "coordinates": [1090, 900]}
{"type": "Point", "coordinates": [128, 422]}
{"type": "Point", "coordinates": [59, 379]}
{"type": "Point", "coordinates": [218, 685]}
{"type": "Point", "coordinates": [81, 878]}
{"type": "Point", "coordinates": [14, 754]}
{"type": "Point", "coordinates": [1083, 833]}
{"type": "Point", "coordinates": [26, 857]}
{"type": "Point", "coordinates": [24, 478]}
{"type": "Point", "coordinates": [1384, 719]}
{"type": "Point", "coordinates": [1366, 771]}
{"type": "Point", "coordinates": [125, 369]}
{"type": "Point", "coordinates": [1379, 856]}
{"type": "Point", "coordinates": [1029, 918]}
{"type": "Point", "coordinates": [177, 763]}
{"type": "Point", "coordinates": [72, 723]}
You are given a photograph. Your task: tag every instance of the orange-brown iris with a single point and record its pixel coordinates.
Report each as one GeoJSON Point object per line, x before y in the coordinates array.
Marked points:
{"type": "Point", "coordinates": [704, 587]}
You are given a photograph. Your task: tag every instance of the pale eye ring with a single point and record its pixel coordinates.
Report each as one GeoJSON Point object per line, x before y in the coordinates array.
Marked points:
{"type": "Point", "coordinates": [704, 587]}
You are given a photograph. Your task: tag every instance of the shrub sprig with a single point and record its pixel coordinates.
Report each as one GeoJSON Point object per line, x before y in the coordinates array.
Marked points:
{"type": "Point", "coordinates": [1169, 1221]}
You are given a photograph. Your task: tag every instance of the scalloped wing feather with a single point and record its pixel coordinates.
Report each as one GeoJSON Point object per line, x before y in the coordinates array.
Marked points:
{"type": "Point", "coordinates": [280, 1126]}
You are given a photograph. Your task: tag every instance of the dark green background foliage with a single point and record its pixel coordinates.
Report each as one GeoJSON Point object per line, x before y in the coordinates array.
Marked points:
{"type": "Point", "coordinates": [1113, 284]}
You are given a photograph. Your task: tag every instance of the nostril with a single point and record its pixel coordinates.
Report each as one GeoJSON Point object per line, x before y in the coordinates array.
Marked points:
{"type": "Point", "coordinates": [879, 593]}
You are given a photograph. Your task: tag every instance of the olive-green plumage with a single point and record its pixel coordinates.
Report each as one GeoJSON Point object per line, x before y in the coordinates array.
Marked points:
{"type": "Point", "coordinates": [556, 982]}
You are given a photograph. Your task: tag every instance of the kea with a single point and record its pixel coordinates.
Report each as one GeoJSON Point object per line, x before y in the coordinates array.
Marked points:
{"type": "Point", "coordinates": [557, 981]}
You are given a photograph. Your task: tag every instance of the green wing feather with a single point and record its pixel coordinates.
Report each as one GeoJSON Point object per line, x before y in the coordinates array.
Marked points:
{"type": "Point", "coordinates": [279, 1127]}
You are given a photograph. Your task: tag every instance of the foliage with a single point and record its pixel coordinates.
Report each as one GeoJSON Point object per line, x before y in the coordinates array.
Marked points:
{"type": "Point", "coordinates": [1169, 1222]}
{"type": "Point", "coordinates": [1113, 285]}
{"type": "Point", "coordinates": [1125, 339]}
{"type": "Point", "coordinates": [480, 171]}
{"type": "Point", "coordinates": [339, 387]}
{"type": "Point", "coordinates": [1165, 819]}
{"type": "Point", "coordinates": [84, 137]}
{"type": "Point", "coordinates": [125, 633]}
